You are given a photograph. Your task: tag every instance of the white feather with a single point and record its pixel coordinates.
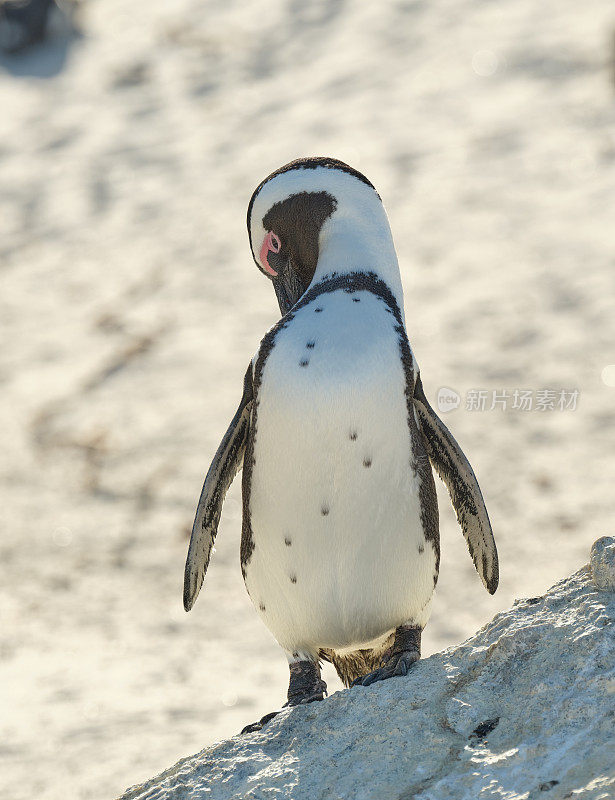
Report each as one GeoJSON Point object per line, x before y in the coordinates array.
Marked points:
{"type": "Point", "coordinates": [358, 567]}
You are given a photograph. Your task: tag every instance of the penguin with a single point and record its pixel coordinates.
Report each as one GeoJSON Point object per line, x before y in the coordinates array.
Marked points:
{"type": "Point", "coordinates": [23, 23]}
{"type": "Point", "coordinates": [340, 546]}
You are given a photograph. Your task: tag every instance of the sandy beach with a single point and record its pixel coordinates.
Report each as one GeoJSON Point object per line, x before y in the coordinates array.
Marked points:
{"type": "Point", "coordinates": [130, 307]}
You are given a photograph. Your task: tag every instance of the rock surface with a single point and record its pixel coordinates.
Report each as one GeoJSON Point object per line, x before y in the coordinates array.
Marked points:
{"type": "Point", "coordinates": [602, 563]}
{"type": "Point", "coordinates": [523, 709]}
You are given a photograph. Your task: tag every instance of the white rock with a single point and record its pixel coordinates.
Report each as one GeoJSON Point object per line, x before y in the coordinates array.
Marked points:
{"type": "Point", "coordinates": [524, 709]}
{"type": "Point", "coordinates": [602, 563]}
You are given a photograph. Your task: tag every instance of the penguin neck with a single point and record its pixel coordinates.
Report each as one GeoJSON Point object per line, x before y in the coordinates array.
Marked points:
{"type": "Point", "coordinates": [347, 247]}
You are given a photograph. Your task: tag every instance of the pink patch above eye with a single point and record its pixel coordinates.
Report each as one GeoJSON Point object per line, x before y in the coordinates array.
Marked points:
{"type": "Point", "coordinates": [271, 244]}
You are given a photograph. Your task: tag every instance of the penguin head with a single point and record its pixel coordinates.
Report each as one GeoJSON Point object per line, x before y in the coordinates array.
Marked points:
{"type": "Point", "coordinates": [311, 216]}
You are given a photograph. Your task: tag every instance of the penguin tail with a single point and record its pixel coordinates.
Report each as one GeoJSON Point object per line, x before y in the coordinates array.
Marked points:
{"type": "Point", "coordinates": [358, 663]}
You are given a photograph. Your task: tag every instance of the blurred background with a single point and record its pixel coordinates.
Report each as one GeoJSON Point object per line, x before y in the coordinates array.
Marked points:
{"type": "Point", "coordinates": [131, 139]}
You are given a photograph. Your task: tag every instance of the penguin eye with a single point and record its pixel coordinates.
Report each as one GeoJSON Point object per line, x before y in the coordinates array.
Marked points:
{"type": "Point", "coordinates": [271, 244]}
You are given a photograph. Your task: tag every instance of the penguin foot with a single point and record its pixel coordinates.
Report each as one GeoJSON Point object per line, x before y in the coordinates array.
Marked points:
{"type": "Point", "coordinates": [405, 652]}
{"type": "Point", "coordinates": [258, 726]}
{"type": "Point", "coordinates": [305, 686]}
{"type": "Point", "coordinates": [397, 665]}
{"type": "Point", "coordinates": [319, 692]}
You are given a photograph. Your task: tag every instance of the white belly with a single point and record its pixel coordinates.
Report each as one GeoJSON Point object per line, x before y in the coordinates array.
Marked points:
{"type": "Point", "coordinates": [339, 554]}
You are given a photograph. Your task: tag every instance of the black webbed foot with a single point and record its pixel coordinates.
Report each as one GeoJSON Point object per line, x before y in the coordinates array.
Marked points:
{"type": "Point", "coordinates": [406, 651]}
{"type": "Point", "coordinates": [397, 665]}
{"type": "Point", "coordinates": [258, 726]}
{"type": "Point", "coordinates": [305, 686]}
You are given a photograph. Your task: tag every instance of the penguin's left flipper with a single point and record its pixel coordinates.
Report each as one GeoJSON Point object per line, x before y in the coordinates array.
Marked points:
{"type": "Point", "coordinates": [224, 467]}
{"type": "Point", "coordinates": [453, 467]}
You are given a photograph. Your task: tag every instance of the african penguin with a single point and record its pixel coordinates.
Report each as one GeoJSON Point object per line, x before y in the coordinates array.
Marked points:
{"type": "Point", "coordinates": [340, 540]}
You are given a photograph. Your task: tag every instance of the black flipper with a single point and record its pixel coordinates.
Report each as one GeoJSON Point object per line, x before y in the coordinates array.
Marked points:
{"type": "Point", "coordinates": [227, 462]}
{"type": "Point", "coordinates": [453, 467]}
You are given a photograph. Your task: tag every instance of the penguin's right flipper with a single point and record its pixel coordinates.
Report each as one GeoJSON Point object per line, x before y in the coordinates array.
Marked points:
{"type": "Point", "coordinates": [451, 464]}
{"type": "Point", "coordinates": [227, 462]}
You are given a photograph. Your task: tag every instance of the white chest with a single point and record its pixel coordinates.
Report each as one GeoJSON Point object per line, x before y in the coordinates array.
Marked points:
{"type": "Point", "coordinates": [339, 554]}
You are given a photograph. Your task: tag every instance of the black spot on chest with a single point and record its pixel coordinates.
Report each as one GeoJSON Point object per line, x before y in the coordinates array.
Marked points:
{"type": "Point", "coordinates": [355, 281]}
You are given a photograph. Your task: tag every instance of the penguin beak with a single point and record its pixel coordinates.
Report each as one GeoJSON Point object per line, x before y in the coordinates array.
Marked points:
{"type": "Point", "coordinates": [288, 287]}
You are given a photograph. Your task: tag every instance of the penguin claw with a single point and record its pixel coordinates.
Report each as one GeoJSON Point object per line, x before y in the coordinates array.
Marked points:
{"type": "Point", "coordinates": [258, 726]}
{"type": "Point", "coordinates": [397, 666]}
{"type": "Point", "coordinates": [304, 695]}
{"type": "Point", "coordinates": [302, 701]}
{"type": "Point", "coordinates": [318, 694]}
